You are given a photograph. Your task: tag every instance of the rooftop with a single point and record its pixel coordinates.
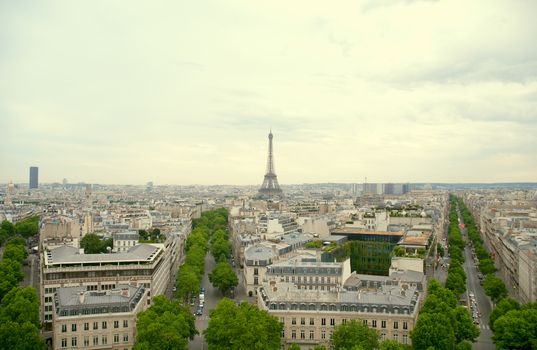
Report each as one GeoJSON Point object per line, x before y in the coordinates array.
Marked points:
{"type": "Point", "coordinates": [70, 255]}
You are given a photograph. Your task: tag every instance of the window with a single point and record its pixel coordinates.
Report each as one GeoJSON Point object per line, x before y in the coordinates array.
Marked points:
{"type": "Point", "coordinates": [383, 324]}
{"type": "Point", "coordinates": [73, 327]}
{"type": "Point", "coordinates": [374, 323]}
{"type": "Point", "coordinates": [312, 334]}
{"type": "Point", "coordinates": [95, 340]}
{"type": "Point", "coordinates": [293, 320]}
{"type": "Point", "coordinates": [95, 325]}
{"type": "Point", "coordinates": [323, 321]}
{"type": "Point", "coordinates": [312, 321]}
{"type": "Point", "coordinates": [344, 321]}
{"type": "Point", "coordinates": [116, 338]}
{"type": "Point", "coordinates": [104, 340]}
{"type": "Point", "coordinates": [323, 334]}
{"type": "Point", "coordinates": [303, 321]}
{"type": "Point", "coordinates": [64, 342]}
{"type": "Point", "coordinates": [395, 337]}
{"type": "Point", "coordinates": [116, 324]}
{"type": "Point", "coordinates": [293, 334]}
{"type": "Point", "coordinates": [64, 329]}
{"type": "Point", "coordinates": [86, 326]}
{"type": "Point", "coordinates": [382, 336]}
{"type": "Point", "coordinates": [74, 340]}
{"type": "Point", "coordinates": [405, 339]}
{"type": "Point", "coordinates": [256, 271]}
{"type": "Point", "coordinates": [104, 325]}
{"type": "Point", "coordinates": [283, 333]}
{"type": "Point", "coordinates": [364, 322]}
{"type": "Point", "coordinates": [332, 321]}
{"type": "Point", "coordinates": [302, 334]}
{"type": "Point", "coordinates": [125, 323]}
{"type": "Point", "coordinates": [86, 341]}
{"type": "Point", "coordinates": [396, 325]}
{"type": "Point", "coordinates": [256, 280]}
{"type": "Point", "coordinates": [405, 325]}
{"type": "Point", "coordinates": [125, 338]}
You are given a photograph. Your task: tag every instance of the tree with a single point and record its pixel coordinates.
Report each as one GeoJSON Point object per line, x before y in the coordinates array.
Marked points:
{"type": "Point", "coordinates": [455, 282]}
{"type": "Point", "coordinates": [517, 329]}
{"type": "Point", "coordinates": [294, 346]}
{"type": "Point", "coordinates": [221, 247]}
{"type": "Point", "coordinates": [440, 249]}
{"type": "Point", "coordinates": [223, 277]}
{"type": "Point", "coordinates": [93, 244]}
{"type": "Point", "coordinates": [188, 282]}
{"type": "Point", "coordinates": [164, 325]}
{"type": "Point", "coordinates": [27, 227]}
{"type": "Point", "coordinates": [464, 345]}
{"type": "Point", "coordinates": [487, 266]}
{"type": "Point", "coordinates": [10, 276]}
{"type": "Point", "coordinates": [501, 308]}
{"type": "Point", "coordinates": [444, 294]}
{"type": "Point", "coordinates": [23, 336]}
{"type": "Point", "coordinates": [354, 333]}
{"type": "Point", "coordinates": [20, 305]}
{"type": "Point", "coordinates": [15, 252]}
{"type": "Point", "coordinates": [233, 327]}
{"type": "Point", "coordinates": [494, 288]}
{"type": "Point", "coordinates": [464, 326]}
{"type": "Point", "coordinates": [399, 251]}
{"type": "Point", "coordinates": [393, 345]}
{"type": "Point", "coordinates": [433, 330]}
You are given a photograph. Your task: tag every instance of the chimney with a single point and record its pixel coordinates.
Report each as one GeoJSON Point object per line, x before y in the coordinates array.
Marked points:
{"type": "Point", "coordinates": [81, 297]}
{"type": "Point", "coordinates": [125, 292]}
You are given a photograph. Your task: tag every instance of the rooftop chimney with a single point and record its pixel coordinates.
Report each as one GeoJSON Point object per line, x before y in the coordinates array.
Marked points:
{"type": "Point", "coordinates": [81, 297]}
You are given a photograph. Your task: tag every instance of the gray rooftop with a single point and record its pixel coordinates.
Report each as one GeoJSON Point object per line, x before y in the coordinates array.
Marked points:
{"type": "Point", "coordinates": [144, 252]}
{"type": "Point", "coordinates": [73, 301]}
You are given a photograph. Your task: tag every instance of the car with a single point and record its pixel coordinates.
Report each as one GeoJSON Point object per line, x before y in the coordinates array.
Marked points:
{"type": "Point", "coordinates": [202, 290]}
{"type": "Point", "coordinates": [471, 295]}
{"type": "Point", "coordinates": [199, 311]}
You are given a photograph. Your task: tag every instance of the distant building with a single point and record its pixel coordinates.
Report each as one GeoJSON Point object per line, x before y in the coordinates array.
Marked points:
{"type": "Point", "coordinates": [97, 319]}
{"type": "Point", "coordinates": [123, 241]}
{"type": "Point", "coordinates": [34, 177]}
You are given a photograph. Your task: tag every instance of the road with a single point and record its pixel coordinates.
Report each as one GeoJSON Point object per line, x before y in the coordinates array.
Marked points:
{"type": "Point", "coordinates": [31, 272]}
{"type": "Point", "coordinates": [212, 296]}
{"type": "Point", "coordinates": [484, 305]}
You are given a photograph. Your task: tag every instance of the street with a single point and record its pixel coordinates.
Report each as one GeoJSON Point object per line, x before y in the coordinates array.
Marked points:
{"type": "Point", "coordinates": [212, 296]}
{"type": "Point", "coordinates": [484, 306]}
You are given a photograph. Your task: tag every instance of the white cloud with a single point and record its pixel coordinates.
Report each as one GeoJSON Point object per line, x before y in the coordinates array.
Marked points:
{"type": "Point", "coordinates": [186, 92]}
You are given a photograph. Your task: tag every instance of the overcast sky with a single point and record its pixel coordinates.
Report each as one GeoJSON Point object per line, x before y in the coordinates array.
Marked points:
{"type": "Point", "coordinates": [185, 92]}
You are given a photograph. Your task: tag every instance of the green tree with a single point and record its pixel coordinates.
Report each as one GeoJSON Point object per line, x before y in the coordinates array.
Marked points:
{"type": "Point", "coordinates": [93, 244]}
{"type": "Point", "coordinates": [487, 266]}
{"type": "Point", "coordinates": [16, 336]}
{"type": "Point", "coordinates": [164, 325]}
{"type": "Point", "coordinates": [455, 282]}
{"type": "Point", "coordinates": [188, 282]}
{"type": "Point", "coordinates": [399, 251]}
{"type": "Point", "coordinates": [27, 227]}
{"type": "Point", "coordinates": [233, 327]}
{"type": "Point", "coordinates": [517, 329]}
{"type": "Point", "coordinates": [20, 305]}
{"type": "Point", "coordinates": [433, 330]}
{"type": "Point", "coordinates": [393, 345]}
{"type": "Point", "coordinates": [294, 346]}
{"type": "Point", "coordinates": [464, 345]}
{"type": "Point", "coordinates": [221, 247]}
{"type": "Point", "coordinates": [494, 288]}
{"type": "Point", "coordinates": [10, 276]}
{"type": "Point", "coordinates": [15, 252]}
{"type": "Point", "coordinates": [223, 277]}
{"type": "Point", "coordinates": [464, 326]}
{"type": "Point", "coordinates": [501, 308]}
{"type": "Point", "coordinates": [354, 333]}
{"type": "Point", "coordinates": [440, 249]}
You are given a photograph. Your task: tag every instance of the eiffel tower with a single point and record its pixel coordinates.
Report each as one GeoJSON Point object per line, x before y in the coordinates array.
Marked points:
{"type": "Point", "coordinates": [270, 186]}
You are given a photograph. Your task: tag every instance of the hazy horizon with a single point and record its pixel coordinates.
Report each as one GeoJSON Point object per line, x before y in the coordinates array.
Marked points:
{"type": "Point", "coordinates": [416, 91]}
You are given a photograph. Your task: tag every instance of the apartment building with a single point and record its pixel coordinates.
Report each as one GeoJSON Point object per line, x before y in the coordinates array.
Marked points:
{"type": "Point", "coordinates": [309, 316]}
{"type": "Point", "coordinates": [150, 266]}
{"type": "Point", "coordinates": [97, 319]}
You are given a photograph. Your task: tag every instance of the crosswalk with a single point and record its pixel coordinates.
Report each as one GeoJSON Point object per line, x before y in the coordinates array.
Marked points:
{"type": "Point", "coordinates": [484, 326]}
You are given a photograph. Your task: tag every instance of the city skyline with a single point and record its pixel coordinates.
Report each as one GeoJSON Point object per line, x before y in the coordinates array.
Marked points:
{"type": "Point", "coordinates": [395, 91]}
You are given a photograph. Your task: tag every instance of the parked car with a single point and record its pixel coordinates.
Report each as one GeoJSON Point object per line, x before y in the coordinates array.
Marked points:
{"type": "Point", "coordinates": [199, 311]}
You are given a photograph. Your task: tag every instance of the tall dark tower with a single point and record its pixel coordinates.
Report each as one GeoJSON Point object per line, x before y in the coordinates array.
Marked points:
{"type": "Point", "coordinates": [270, 186]}
{"type": "Point", "coordinates": [34, 177]}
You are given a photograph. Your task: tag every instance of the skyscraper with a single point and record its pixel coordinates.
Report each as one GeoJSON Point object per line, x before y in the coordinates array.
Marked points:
{"type": "Point", "coordinates": [270, 186]}
{"type": "Point", "coordinates": [34, 177]}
